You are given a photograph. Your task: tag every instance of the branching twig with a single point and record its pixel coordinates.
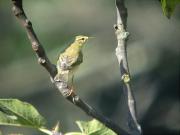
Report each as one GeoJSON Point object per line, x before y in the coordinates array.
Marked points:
{"type": "Point", "coordinates": [121, 53]}
{"type": "Point", "coordinates": [36, 45]}
{"type": "Point", "coordinates": [62, 87]}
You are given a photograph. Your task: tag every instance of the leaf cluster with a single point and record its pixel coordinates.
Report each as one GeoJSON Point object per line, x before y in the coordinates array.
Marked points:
{"type": "Point", "coordinates": [14, 112]}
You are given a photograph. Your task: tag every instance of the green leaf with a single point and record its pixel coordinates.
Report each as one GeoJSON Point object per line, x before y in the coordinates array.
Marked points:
{"type": "Point", "coordinates": [94, 127]}
{"type": "Point", "coordinates": [15, 134]}
{"type": "Point", "coordinates": [16, 113]}
{"type": "Point", "coordinates": [74, 133]}
{"type": "Point", "coordinates": [168, 6]}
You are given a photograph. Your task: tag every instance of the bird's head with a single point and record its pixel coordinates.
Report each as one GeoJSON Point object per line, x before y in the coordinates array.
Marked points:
{"type": "Point", "coordinates": [81, 40]}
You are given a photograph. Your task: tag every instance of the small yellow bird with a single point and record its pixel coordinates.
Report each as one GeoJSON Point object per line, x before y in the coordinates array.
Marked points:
{"type": "Point", "coordinates": [69, 60]}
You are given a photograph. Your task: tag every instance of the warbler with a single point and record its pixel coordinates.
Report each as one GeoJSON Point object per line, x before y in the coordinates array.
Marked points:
{"type": "Point", "coordinates": [69, 61]}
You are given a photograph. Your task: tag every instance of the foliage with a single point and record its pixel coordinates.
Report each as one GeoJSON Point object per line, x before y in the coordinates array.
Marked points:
{"type": "Point", "coordinates": [168, 6]}
{"type": "Point", "coordinates": [17, 113]}
{"type": "Point", "coordinates": [14, 112]}
{"type": "Point", "coordinates": [92, 127]}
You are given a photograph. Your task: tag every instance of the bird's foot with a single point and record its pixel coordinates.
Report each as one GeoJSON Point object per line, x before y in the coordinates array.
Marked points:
{"type": "Point", "coordinates": [56, 78]}
{"type": "Point", "coordinates": [70, 91]}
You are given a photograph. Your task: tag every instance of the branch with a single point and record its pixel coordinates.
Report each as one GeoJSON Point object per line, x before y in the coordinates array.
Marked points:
{"type": "Point", "coordinates": [62, 86]}
{"type": "Point", "coordinates": [36, 45]}
{"type": "Point", "coordinates": [121, 53]}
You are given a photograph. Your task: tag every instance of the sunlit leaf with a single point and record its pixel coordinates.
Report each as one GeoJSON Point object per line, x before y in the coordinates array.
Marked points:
{"type": "Point", "coordinates": [74, 133]}
{"type": "Point", "coordinates": [17, 113]}
{"type": "Point", "coordinates": [168, 6]}
{"type": "Point", "coordinates": [15, 134]}
{"type": "Point", "coordinates": [94, 127]}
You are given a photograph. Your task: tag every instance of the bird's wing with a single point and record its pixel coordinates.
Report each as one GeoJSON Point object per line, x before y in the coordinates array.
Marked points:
{"type": "Point", "coordinates": [66, 62]}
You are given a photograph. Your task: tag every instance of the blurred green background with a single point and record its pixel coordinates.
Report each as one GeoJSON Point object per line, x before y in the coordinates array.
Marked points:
{"type": "Point", "coordinates": [153, 53]}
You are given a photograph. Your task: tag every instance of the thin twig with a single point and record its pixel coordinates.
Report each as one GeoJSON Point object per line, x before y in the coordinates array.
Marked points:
{"type": "Point", "coordinates": [62, 87]}
{"type": "Point", "coordinates": [121, 53]}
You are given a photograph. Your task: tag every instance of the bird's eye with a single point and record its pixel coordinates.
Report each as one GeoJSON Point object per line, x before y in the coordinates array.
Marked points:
{"type": "Point", "coordinates": [82, 38]}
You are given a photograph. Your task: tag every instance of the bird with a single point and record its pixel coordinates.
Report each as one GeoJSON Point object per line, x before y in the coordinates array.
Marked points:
{"type": "Point", "coordinates": [69, 61]}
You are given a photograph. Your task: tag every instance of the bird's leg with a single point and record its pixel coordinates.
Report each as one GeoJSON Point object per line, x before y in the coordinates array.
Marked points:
{"type": "Point", "coordinates": [57, 78]}
{"type": "Point", "coordinates": [72, 83]}
{"type": "Point", "coordinates": [59, 74]}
